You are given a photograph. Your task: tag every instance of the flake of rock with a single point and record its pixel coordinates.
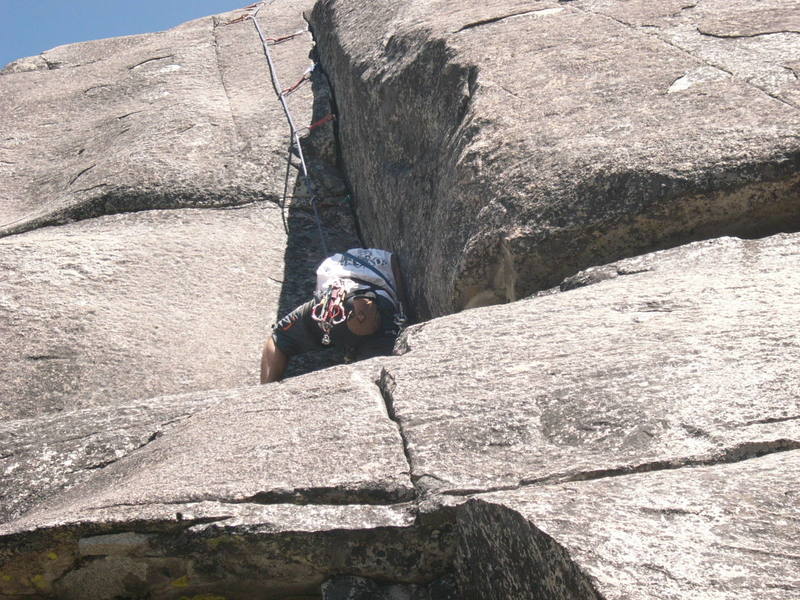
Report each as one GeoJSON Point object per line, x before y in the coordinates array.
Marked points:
{"type": "Point", "coordinates": [320, 439]}
{"type": "Point", "coordinates": [686, 357]}
{"type": "Point", "coordinates": [307, 478]}
{"type": "Point", "coordinates": [521, 143]}
{"type": "Point", "coordinates": [212, 549]}
{"type": "Point", "coordinates": [722, 531]}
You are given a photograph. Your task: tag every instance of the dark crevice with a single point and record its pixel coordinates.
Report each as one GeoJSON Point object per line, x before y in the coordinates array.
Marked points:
{"type": "Point", "coordinates": [330, 497]}
{"type": "Point", "coordinates": [742, 452]}
{"type": "Point", "coordinates": [684, 9]}
{"type": "Point", "coordinates": [595, 275]}
{"type": "Point", "coordinates": [149, 60]}
{"type": "Point", "coordinates": [36, 357]}
{"type": "Point", "coordinates": [768, 421]}
{"type": "Point", "coordinates": [84, 171]}
{"type": "Point", "coordinates": [493, 20]}
{"type": "Point", "coordinates": [321, 496]}
{"type": "Point", "coordinates": [153, 437]}
{"type": "Point", "coordinates": [386, 384]}
{"type": "Point", "coordinates": [51, 65]}
{"type": "Point", "coordinates": [736, 36]}
{"type": "Point", "coordinates": [126, 115]}
{"type": "Point", "coordinates": [402, 345]}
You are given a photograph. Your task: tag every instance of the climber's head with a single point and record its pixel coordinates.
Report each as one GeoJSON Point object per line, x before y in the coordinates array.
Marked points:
{"type": "Point", "coordinates": [363, 316]}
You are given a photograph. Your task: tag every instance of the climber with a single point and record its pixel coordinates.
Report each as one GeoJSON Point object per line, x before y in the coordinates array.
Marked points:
{"type": "Point", "coordinates": [358, 301]}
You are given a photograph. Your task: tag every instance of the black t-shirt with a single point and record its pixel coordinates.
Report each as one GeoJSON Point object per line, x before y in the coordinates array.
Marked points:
{"type": "Point", "coordinates": [298, 332]}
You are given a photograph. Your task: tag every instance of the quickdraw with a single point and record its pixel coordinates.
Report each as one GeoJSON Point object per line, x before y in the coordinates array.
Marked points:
{"type": "Point", "coordinates": [329, 311]}
{"type": "Point", "coordinates": [306, 77]}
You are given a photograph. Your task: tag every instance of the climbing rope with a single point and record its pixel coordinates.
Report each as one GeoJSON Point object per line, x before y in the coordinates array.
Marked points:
{"type": "Point", "coordinates": [294, 142]}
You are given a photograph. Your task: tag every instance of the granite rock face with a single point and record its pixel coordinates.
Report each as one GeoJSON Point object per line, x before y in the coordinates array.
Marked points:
{"type": "Point", "coordinates": [632, 437]}
{"type": "Point", "coordinates": [500, 148]}
{"type": "Point", "coordinates": [271, 490]}
{"type": "Point", "coordinates": [629, 432]}
{"type": "Point", "coordinates": [181, 118]}
{"type": "Point", "coordinates": [110, 310]}
{"type": "Point", "coordinates": [687, 359]}
{"type": "Point", "coordinates": [726, 531]}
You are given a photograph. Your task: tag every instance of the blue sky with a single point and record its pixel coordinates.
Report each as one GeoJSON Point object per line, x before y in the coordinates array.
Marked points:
{"type": "Point", "coordinates": [28, 27]}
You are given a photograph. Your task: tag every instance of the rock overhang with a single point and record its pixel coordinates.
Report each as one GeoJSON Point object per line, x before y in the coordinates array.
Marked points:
{"type": "Point", "coordinates": [519, 176]}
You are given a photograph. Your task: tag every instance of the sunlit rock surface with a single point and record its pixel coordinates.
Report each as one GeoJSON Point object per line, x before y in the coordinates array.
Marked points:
{"type": "Point", "coordinates": [629, 432]}
{"type": "Point", "coordinates": [534, 139]}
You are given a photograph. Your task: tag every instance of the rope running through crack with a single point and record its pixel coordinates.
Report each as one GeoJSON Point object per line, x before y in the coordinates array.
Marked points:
{"type": "Point", "coordinates": [294, 143]}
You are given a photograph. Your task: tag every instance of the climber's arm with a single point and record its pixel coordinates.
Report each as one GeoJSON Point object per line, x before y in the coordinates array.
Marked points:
{"type": "Point", "coordinates": [273, 362]}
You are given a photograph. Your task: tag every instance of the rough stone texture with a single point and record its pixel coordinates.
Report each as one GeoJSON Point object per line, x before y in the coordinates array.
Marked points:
{"type": "Point", "coordinates": [185, 117]}
{"type": "Point", "coordinates": [501, 147]}
{"type": "Point", "coordinates": [251, 466]}
{"type": "Point", "coordinates": [503, 555]}
{"type": "Point", "coordinates": [691, 360]}
{"type": "Point", "coordinates": [754, 43]}
{"type": "Point", "coordinates": [347, 587]}
{"type": "Point", "coordinates": [233, 551]}
{"type": "Point", "coordinates": [110, 310]}
{"type": "Point", "coordinates": [632, 433]}
{"type": "Point", "coordinates": [43, 454]}
{"type": "Point", "coordinates": [727, 531]}
{"type": "Point", "coordinates": [323, 439]}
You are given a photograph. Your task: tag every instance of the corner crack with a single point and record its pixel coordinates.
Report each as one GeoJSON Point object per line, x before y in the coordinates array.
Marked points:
{"type": "Point", "coordinates": [386, 385]}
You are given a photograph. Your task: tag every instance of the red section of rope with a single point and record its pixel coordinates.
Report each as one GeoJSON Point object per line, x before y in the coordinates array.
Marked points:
{"type": "Point", "coordinates": [322, 121]}
{"type": "Point", "coordinates": [300, 82]}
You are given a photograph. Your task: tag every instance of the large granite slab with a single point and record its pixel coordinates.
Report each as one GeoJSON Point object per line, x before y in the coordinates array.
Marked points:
{"type": "Point", "coordinates": [681, 357]}
{"type": "Point", "coordinates": [501, 147]}
{"type": "Point", "coordinates": [120, 308]}
{"type": "Point", "coordinates": [724, 532]}
{"type": "Point", "coordinates": [181, 118]}
{"type": "Point", "coordinates": [754, 43]}
{"type": "Point", "coordinates": [308, 478]}
{"type": "Point", "coordinates": [320, 439]}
